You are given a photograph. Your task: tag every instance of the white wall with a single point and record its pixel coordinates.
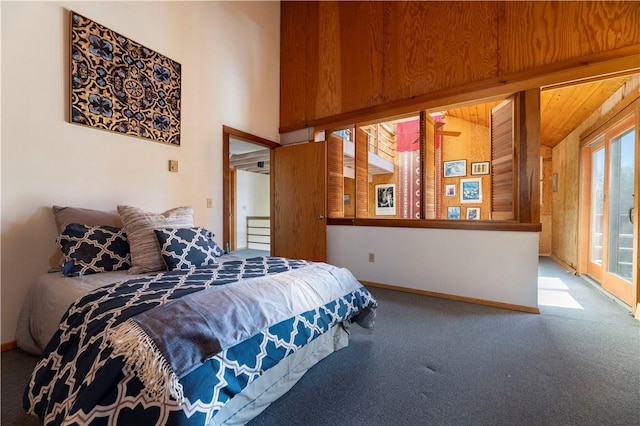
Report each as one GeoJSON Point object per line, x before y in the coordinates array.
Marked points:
{"type": "Point", "coordinates": [489, 265]}
{"type": "Point", "coordinates": [229, 52]}
{"type": "Point", "coordinates": [253, 199]}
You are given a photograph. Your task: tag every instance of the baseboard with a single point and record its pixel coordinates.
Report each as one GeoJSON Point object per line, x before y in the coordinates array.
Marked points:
{"type": "Point", "coordinates": [509, 306]}
{"type": "Point", "coordinates": [564, 265]}
{"type": "Point", "coordinates": [7, 346]}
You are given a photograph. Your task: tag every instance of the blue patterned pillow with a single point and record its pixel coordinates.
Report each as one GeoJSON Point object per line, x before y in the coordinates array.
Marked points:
{"type": "Point", "coordinates": [184, 248]}
{"type": "Point", "coordinates": [93, 249]}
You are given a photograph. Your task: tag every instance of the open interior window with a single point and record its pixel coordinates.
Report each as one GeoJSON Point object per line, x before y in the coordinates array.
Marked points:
{"type": "Point", "coordinates": [455, 164]}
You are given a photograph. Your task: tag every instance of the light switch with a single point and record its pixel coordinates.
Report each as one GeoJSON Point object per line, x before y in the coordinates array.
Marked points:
{"type": "Point", "coordinates": [173, 165]}
{"type": "Point", "coordinates": [209, 203]}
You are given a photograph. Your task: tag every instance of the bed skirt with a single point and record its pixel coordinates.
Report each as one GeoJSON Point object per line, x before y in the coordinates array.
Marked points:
{"type": "Point", "coordinates": [277, 381]}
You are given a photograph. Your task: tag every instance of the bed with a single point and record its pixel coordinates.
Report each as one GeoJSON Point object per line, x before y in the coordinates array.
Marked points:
{"type": "Point", "coordinates": [209, 344]}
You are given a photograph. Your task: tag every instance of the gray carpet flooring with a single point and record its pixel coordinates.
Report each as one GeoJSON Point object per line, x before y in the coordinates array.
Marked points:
{"type": "Point", "coordinates": [437, 362]}
{"type": "Point", "coordinates": [250, 252]}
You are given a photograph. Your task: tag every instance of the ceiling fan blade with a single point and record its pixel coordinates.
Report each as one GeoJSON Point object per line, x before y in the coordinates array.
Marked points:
{"type": "Point", "coordinates": [448, 133]}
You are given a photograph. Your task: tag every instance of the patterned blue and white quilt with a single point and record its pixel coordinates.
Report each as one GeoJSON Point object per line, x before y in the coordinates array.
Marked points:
{"type": "Point", "coordinates": [84, 376]}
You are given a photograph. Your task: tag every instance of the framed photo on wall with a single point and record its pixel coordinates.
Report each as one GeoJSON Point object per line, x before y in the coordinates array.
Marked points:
{"type": "Point", "coordinates": [481, 168]}
{"type": "Point", "coordinates": [471, 190]}
{"type": "Point", "coordinates": [473, 213]}
{"type": "Point", "coordinates": [453, 212]}
{"type": "Point", "coordinates": [386, 199]}
{"type": "Point", "coordinates": [455, 168]}
{"type": "Point", "coordinates": [450, 190]}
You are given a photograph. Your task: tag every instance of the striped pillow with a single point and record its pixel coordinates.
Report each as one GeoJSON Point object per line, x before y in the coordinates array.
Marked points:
{"type": "Point", "coordinates": [139, 226]}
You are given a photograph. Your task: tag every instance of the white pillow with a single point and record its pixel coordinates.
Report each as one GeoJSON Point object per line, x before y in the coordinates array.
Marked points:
{"type": "Point", "coordinates": [139, 226]}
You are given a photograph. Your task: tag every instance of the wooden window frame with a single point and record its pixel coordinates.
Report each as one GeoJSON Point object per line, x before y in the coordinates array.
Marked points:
{"type": "Point", "coordinates": [526, 177]}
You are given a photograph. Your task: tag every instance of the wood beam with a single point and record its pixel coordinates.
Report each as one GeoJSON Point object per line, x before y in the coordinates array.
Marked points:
{"type": "Point", "coordinates": [527, 145]}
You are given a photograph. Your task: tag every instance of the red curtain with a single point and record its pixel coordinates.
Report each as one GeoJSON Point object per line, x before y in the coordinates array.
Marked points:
{"type": "Point", "coordinates": [408, 147]}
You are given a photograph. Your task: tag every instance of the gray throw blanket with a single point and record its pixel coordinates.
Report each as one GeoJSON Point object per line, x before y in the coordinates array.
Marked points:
{"type": "Point", "coordinates": [166, 343]}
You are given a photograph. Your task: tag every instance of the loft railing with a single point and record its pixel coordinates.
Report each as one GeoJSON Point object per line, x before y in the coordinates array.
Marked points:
{"type": "Point", "coordinates": [259, 232]}
{"type": "Point", "coordinates": [382, 140]}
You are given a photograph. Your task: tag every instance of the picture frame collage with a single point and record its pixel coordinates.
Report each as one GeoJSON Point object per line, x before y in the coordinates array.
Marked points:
{"type": "Point", "coordinates": [468, 189]}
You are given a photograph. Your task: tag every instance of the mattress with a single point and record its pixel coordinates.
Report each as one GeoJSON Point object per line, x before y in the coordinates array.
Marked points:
{"type": "Point", "coordinates": [47, 300]}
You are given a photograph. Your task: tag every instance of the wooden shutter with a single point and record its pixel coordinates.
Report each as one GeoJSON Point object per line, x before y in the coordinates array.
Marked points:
{"type": "Point", "coordinates": [335, 178]}
{"type": "Point", "coordinates": [362, 173]}
{"type": "Point", "coordinates": [429, 176]}
{"type": "Point", "coordinates": [502, 161]}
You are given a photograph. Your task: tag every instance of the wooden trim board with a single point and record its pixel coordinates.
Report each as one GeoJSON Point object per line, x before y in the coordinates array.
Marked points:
{"type": "Point", "coordinates": [509, 306]}
{"type": "Point", "coordinates": [7, 346]}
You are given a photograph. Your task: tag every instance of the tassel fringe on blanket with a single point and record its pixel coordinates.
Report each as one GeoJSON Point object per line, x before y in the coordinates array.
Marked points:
{"type": "Point", "coordinates": [142, 356]}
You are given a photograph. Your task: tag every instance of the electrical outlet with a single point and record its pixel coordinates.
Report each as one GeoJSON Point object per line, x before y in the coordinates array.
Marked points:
{"type": "Point", "coordinates": [209, 203]}
{"type": "Point", "coordinates": [372, 257]}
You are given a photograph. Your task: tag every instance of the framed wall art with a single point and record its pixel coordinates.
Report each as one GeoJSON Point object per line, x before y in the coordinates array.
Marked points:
{"type": "Point", "coordinates": [480, 168]}
{"type": "Point", "coordinates": [386, 199]}
{"type": "Point", "coordinates": [471, 190]}
{"type": "Point", "coordinates": [473, 213]}
{"type": "Point", "coordinates": [453, 212]}
{"type": "Point", "coordinates": [455, 168]}
{"type": "Point", "coordinates": [450, 190]}
{"type": "Point", "coordinates": [122, 86]}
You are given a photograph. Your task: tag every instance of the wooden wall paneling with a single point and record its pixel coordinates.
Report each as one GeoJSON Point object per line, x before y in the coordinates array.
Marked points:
{"type": "Point", "coordinates": [350, 190]}
{"type": "Point", "coordinates": [431, 45]}
{"type": "Point", "coordinates": [472, 145]}
{"type": "Point", "coordinates": [546, 179]}
{"type": "Point", "coordinates": [546, 208]}
{"type": "Point", "coordinates": [295, 64]}
{"type": "Point", "coordinates": [361, 54]}
{"type": "Point", "coordinates": [532, 34]}
{"type": "Point", "coordinates": [433, 51]}
{"type": "Point", "coordinates": [527, 144]}
{"type": "Point", "coordinates": [544, 245]}
{"type": "Point", "coordinates": [335, 176]}
{"type": "Point", "coordinates": [362, 174]}
{"type": "Point", "coordinates": [327, 62]}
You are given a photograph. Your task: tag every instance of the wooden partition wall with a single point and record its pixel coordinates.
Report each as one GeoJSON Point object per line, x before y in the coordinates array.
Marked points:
{"type": "Point", "coordinates": [342, 58]}
{"type": "Point", "coordinates": [344, 62]}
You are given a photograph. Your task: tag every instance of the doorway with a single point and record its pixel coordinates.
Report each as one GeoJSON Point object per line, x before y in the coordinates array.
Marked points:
{"type": "Point", "coordinates": [246, 193]}
{"type": "Point", "coordinates": [609, 168]}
